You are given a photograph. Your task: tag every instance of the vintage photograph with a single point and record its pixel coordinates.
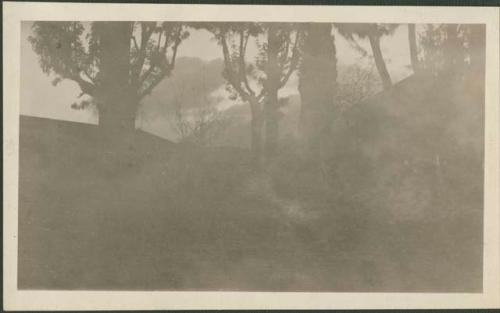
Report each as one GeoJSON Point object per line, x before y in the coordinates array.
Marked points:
{"type": "Point", "coordinates": [253, 155]}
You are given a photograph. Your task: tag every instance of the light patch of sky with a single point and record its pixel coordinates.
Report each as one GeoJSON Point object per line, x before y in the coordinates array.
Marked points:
{"type": "Point", "coordinates": [40, 98]}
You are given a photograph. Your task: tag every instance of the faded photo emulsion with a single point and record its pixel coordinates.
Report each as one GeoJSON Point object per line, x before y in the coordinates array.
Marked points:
{"type": "Point", "coordinates": [251, 156]}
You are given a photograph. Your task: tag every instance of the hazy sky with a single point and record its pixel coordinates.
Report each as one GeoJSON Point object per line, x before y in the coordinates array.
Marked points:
{"type": "Point", "coordinates": [40, 98]}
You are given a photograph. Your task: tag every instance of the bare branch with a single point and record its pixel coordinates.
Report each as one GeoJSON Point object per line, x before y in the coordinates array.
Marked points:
{"type": "Point", "coordinates": [166, 69]}
{"type": "Point", "coordinates": [153, 65]}
{"type": "Point", "coordinates": [88, 76]}
{"type": "Point", "coordinates": [136, 46]}
{"type": "Point", "coordinates": [167, 38]}
{"type": "Point", "coordinates": [85, 86]}
{"type": "Point", "coordinates": [294, 60]}
{"type": "Point", "coordinates": [146, 75]}
{"type": "Point", "coordinates": [165, 72]}
{"type": "Point", "coordinates": [241, 58]}
{"type": "Point", "coordinates": [261, 94]}
{"type": "Point", "coordinates": [284, 56]}
{"type": "Point", "coordinates": [178, 40]}
{"type": "Point", "coordinates": [146, 32]}
{"type": "Point", "coordinates": [159, 40]}
{"type": "Point", "coordinates": [227, 58]}
{"type": "Point", "coordinates": [228, 68]}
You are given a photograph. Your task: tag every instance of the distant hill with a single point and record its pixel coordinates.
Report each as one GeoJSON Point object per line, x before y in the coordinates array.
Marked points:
{"type": "Point", "coordinates": [191, 82]}
{"type": "Point", "coordinates": [238, 134]}
{"type": "Point", "coordinates": [194, 81]}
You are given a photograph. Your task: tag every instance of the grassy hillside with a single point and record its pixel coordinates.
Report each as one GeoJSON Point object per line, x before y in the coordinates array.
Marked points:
{"type": "Point", "coordinates": [385, 214]}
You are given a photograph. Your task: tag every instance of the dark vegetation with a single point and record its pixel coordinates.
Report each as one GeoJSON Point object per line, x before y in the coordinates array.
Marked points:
{"type": "Point", "coordinates": [183, 217]}
{"type": "Point", "coordinates": [380, 192]}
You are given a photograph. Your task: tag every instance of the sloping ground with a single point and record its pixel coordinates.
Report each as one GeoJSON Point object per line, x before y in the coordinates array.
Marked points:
{"type": "Point", "coordinates": [146, 216]}
{"type": "Point", "coordinates": [404, 170]}
{"type": "Point", "coordinates": [152, 215]}
{"type": "Point", "coordinates": [422, 146]}
{"type": "Point", "coordinates": [183, 219]}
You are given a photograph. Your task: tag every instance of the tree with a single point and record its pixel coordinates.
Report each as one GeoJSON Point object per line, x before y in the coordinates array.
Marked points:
{"type": "Point", "coordinates": [456, 52]}
{"type": "Point", "coordinates": [279, 58]}
{"type": "Point", "coordinates": [453, 49]}
{"type": "Point", "coordinates": [233, 39]}
{"type": "Point", "coordinates": [115, 63]}
{"type": "Point", "coordinates": [412, 40]}
{"type": "Point", "coordinates": [373, 32]}
{"type": "Point", "coordinates": [317, 85]}
{"type": "Point", "coordinates": [258, 84]}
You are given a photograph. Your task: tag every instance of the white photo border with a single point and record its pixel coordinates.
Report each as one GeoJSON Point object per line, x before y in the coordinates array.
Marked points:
{"type": "Point", "coordinates": [16, 12]}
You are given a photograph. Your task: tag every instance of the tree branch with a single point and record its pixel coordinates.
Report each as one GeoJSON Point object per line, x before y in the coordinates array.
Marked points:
{"type": "Point", "coordinates": [85, 86]}
{"type": "Point", "coordinates": [153, 65]}
{"type": "Point", "coordinates": [167, 38]}
{"type": "Point", "coordinates": [284, 56]}
{"type": "Point", "coordinates": [293, 62]}
{"type": "Point", "coordinates": [178, 40]}
{"type": "Point", "coordinates": [145, 35]}
{"type": "Point", "coordinates": [241, 58]}
{"type": "Point", "coordinates": [145, 76]}
{"type": "Point", "coordinates": [159, 40]}
{"type": "Point", "coordinates": [228, 68]}
{"type": "Point", "coordinates": [136, 46]}
{"type": "Point", "coordinates": [88, 76]}
{"type": "Point", "coordinates": [164, 71]}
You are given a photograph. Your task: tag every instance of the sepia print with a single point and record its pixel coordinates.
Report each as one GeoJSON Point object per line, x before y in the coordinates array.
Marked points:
{"type": "Point", "coordinates": [251, 156]}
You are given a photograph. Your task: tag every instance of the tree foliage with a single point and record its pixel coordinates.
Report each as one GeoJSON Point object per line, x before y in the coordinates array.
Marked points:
{"type": "Point", "coordinates": [449, 47]}
{"type": "Point", "coordinates": [257, 82]}
{"type": "Point", "coordinates": [75, 51]}
{"type": "Point", "coordinates": [364, 30]}
{"type": "Point", "coordinates": [354, 31]}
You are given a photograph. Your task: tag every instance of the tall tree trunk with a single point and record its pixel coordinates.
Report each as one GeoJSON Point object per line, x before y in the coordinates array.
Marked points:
{"type": "Point", "coordinates": [271, 108]}
{"type": "Point", "coordinates": [317, 86]}
{"type": "Point", "coordinates": [412, 39]}
{"type": "Point", "coordinates": [119, 101]}
{"type": "Point", "coordinates": [271, 123]}
{"type": "Point", "coordinates": [379, 61]}
{"type": "Point", "coordinates": [256, 127]}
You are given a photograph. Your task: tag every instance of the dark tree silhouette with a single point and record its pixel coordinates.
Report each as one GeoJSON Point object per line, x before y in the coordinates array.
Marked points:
{"type": "Point", "coordinates": [373, 32]}
{"type": "Point", "coordinates": [317, 85]}
{"type": "Point", "coordinates": [233, 39]}
{"type": "Point", "coordinates": [279, 58]}
{"type": "Point", "coordinates": [115, 63]}
{"type": "Point", "coordinates": [412, 40]}
{"type": "Point", "coordinates": [258, 83]}
{"type": "Point", "coordinates": [452, 49]}
{"type": "Point", "coordinates": [456, 52]}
